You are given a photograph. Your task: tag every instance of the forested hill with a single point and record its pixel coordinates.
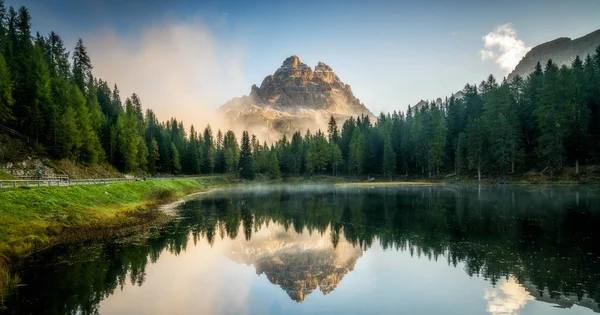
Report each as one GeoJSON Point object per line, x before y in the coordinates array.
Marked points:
{"type": "Point", "coordinates": [542, 123]}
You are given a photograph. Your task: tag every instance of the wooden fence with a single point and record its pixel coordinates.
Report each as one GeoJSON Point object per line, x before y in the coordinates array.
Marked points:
{"type": "Point", "coordinates": [14, 183]}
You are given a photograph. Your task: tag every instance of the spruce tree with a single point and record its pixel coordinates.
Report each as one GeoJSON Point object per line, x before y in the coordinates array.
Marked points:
{"type": "Point", "coordinates": [42, 110]}
{"type": "Point", "coordinates": [273, 168]}
{"type": "Point", "coordinates": [477, 145]}
{"type": "Point", "coordinates": [175, 160]}
{"type": "Point", "coordinates": [82, 66]}
{"type": "Point", "coordinates": [389, 159]}
{"type": "Point", "coordinates": [357, 153]}
{"type": "Point", "coordinates": [153, 156]}
{"type": "Point", "coordinates": [6, 99]}
{"type": "Point", "coordinates": [231, 151]}
{"type": "Point", "coordinates": [89, 149]}
{"type": "Point", "coordinates": [246, 164]}
{"type": "Point", "coordinates": [193, 153]}
{"type": "Point", "coordinates": [209, 151]}
{"type": "Point", "coordinates": [552, 120]}
{"type": "Point", "coordinates": [502, 128]}
{"type": "Point", "coordinates": [336, 158]}
{"type": "Point", "coordinates": [332, 130]}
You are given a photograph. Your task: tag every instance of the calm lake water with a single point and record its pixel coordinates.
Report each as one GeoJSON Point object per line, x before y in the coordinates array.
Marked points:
{"type": "Point", "coordinates": [324, 250]}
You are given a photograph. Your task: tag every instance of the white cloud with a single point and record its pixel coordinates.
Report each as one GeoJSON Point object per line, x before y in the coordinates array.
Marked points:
{"type": "Point", "coordinates": [503, 47]}
{"type": "Point", "coordinates": [179, 69]}
{"type": "Point", "coordinates": [508, 299]}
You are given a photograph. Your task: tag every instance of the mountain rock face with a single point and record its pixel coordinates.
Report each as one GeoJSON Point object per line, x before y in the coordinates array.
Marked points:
{"type": "Point", "coordinates": [562, 51]}
{"type": "Point", "coordinates": [294, 98]}
{"type": "Point", "coordinates": [299, 264]}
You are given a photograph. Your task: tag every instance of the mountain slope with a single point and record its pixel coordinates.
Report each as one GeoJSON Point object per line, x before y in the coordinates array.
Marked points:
{"type": "Point", "coordinates": [294, 98]}
{"type": "Point", "coordinates": [562, 51]}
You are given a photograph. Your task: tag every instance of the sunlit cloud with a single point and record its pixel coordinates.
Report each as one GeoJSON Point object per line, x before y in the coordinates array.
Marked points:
{"type": "Point", "coordinates": [504, 47]}
{"type": "Point", "coordinates": [179, 69]}
{"type": "Point", "coordinates": [507, 299]}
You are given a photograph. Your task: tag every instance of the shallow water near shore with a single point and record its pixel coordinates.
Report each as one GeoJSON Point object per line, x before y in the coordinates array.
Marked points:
{"type": "Point", "coordinates": [322, 249]}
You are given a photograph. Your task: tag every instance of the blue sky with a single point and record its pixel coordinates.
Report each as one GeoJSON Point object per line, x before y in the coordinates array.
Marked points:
{"type": "Point", "coordinates": [392, 53]}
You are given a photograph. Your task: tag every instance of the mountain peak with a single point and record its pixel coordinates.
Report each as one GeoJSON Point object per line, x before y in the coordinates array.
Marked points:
{"type": "Point", "coordinates": [321, 66]}
{"type": "Point", "coordinates": [292, 62]}
{"type": "Point", "coordinates": [295, 97]}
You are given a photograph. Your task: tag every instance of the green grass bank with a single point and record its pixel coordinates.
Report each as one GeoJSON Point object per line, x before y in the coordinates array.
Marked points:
{"type": "Point", "coordinates": [32, 218]}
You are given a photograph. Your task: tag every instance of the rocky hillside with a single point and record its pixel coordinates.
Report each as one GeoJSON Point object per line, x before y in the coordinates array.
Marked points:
{"type": "Point", "coordinates": [294, 98]}
{"type": "Point", "coordinates": [562, 51]}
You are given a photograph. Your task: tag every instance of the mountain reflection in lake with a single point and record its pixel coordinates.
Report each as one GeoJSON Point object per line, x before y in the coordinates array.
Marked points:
{"type": "Point", "coordinates": [320, 249]}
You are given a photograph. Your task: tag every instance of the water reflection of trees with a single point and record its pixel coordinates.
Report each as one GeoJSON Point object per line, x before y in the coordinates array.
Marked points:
{"type": "Point", "coordinates": [547, 238]}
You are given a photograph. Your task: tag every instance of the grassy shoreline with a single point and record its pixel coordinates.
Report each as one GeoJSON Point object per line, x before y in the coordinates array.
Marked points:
{"type": "Point", "coordinates": [35, 218]}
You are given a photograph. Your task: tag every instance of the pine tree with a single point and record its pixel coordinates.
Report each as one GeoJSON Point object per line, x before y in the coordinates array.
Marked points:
{"type": "Point", "coordinates": [89, 150]}
{"type": "Point", "coordinates": [318, 154]}
{"type": "Point", "coordinates": [58, 57]}
{"type": "Point", "coordinates": [153, 156]}
{"type": "Point", "coordinates": [246, 164]}
{"type": "Point", "coordinates": [502, 128]}
{"type": "Point", "coordinates": [193, 153]}
{"type": "Point", "coordinates": [437, 142]}
{"type": "Point", "coordinates": [552, 120]}
{"type": "Point", "coordinates": [476, 150]}
{"type": "Point", "coordinates": [529, 122]}
{"type": "Point", "coordinates": [126, 138]}
{"type": "Point", "coordinates": [336, 158]}
{"type": "Point", "coordinates": [296, 150]}
{"type": "Point", "coordinates": [27, 114]}
{"type": "Point", "coordinates": [68, 139]}
{"type": "Point", "coordinates": [332, 130]}
{"type": "Point", "coordinates": [175, 160]}
{"type": "Point", "coordinates": [389, 159]}
{"type": "Point", "coordinates": [578, 140]}
{"type": "Point", "coordinates": [6, 99]}
{"type": "Point", "coordinates": [42, 108]}
{"type": "Point", "coordinates": [357, 152]}
{"type": "Point", "coordinates": [273, 168]}
{"type": "Point", "coordinates": [209, 151]}
{"type": "Point", "coordinates": [231, 152]}
{"type": "Point", "coordinates": [96, 116]}
{"type": "Point", "coordinates": [82, 66]}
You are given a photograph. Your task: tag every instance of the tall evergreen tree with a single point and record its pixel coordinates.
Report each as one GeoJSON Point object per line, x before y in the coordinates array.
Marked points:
{"type": "Point", "coordinates": [246, 164]}
{"type": "Point", "coordinates": [476, 135]}
{"type": "Point", "coordinates": [273, 168]}
{"type": "Point", "coordinates": [209, 151]}
{"type": "Point", "coordinates": [552, 120]}
{"type": "Point", "coordinates": [175, 160]}
{"type": "Point", "coordinates": [82, 66]}
{"type": "Point", "coordinates": [332, 130]}
{"type": "Point", "coordinates": [6, 99]}
{"type": "Point", "coordinates": [389, 159]}
{"type": "Point", "coordinates": [356, 158]}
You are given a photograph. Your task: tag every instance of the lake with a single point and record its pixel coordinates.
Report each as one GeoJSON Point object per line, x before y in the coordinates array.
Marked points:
{"type": "Point", "coordinates": [322, 250]}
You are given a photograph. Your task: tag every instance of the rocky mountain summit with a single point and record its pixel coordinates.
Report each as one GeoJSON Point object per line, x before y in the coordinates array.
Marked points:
{"type": "Point", "coordinates": [294, 98]}
{"type": "Point", "coordinates": [562, 51]}
{"type": "Point", "coordinates": [299, 264]}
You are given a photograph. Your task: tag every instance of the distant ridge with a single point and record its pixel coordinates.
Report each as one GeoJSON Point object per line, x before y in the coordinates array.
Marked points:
{"type": "Point", "coordinates": [561, 50]}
